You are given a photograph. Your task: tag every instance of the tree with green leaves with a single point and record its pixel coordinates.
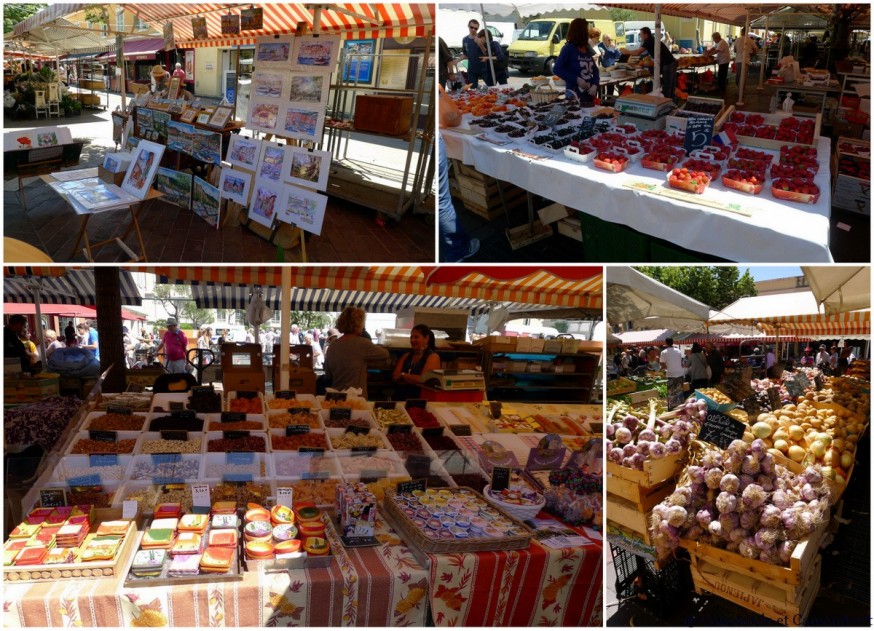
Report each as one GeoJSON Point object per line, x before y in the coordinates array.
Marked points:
{"type": "Point", "coordinates": [15, 13]}
{"type": "Point", "coordinates": [621, 15]}
{"type": "Point", "coordinates": [716, 287]}
{"type": "Point", "coordinates": [176, 300]}
{"type": "Point", "coordinates": [310, 319]}
{"type": "Point", "coordinates": [840, 27]}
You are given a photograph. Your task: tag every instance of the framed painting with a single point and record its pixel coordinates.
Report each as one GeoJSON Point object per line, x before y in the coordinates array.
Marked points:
{"type": "Point", "coordinates": [273, 52]}
{"type": "Point", "coordinates": [141, 172]}
{"type": "Point", "coordinates": [316, 53]}
{"type": "Point", "coordinates": [304, 209]}
{"type": "Point", "coordinates": [189, 115]}
{"type": "Point", "coordinates": [267, 196]}
{"type": "Point", "coordinates": [244, 152]}
{"type": "Point", "coordinates": [272, 162]}
{"type": "Point", "coordinates": [180, 137]}
{"type": "Point", "coordinates": [207, 146]}
{"type": "Point", "coordinates": [220, 117]}
{"type": "Point", "coordinates": [235, 185]}
{"type": "Point", "coordinates": [358, 66]}
{"type": "Point", "coordinates": [307, 167]}
{"type": "Point", "coordinates": [206, 202]}
{"type": "Point", "coordinates": [173, 90]}
{"type": "Point", "coordinates": [175, 185]}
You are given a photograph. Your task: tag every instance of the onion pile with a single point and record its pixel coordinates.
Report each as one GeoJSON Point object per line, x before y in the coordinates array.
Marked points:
{"type": "Point", "coordinates": [632, 441]}
{"type": "Point", "coordinates": [741, 500]}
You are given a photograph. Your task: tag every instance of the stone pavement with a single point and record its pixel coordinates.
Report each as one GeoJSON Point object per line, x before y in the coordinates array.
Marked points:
{"type": "Point", "coordinates": [351, 233]}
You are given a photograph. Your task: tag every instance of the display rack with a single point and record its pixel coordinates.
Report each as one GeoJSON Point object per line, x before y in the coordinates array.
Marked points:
{"type": "Point", "coordinates": [389, 191]}
{"type": "Point", "coordinates": [533, 377]}
{"type": "Point", "coordinates": [88, 93]}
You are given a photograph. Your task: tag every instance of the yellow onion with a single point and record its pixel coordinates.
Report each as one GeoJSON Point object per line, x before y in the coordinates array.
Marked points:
{"type": "Point", "coordinates": [846, 460]}
{"type": "Point", "coordinates": [797, 453]}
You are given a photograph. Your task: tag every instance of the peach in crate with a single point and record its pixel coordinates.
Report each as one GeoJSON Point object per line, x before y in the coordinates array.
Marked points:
{"type": "Point", "coordinates": [614, 162]}
{"type": "Point", "coordinates": [744, 181]}
{"type": "Point", "coordinates": [689, 180]}
{"type": "Point", "coordinates": [798, 190]}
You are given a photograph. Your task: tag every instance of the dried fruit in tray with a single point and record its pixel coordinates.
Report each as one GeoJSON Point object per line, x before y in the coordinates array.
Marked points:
{"type": "Point", "coordinates": [611, 162]}
{"type": "Point", "coordinates": [796, 156]}
{"type": "Point", "coordinates": [423, 418]}
{"type": "Point", "coordinates": [689, 180]}
{"type": "Point", "coordinates": [745, 181]}
{"type": "Point", "coordinates": [249, 406]}
{"type": "Point", "coordinates": [795, 190]}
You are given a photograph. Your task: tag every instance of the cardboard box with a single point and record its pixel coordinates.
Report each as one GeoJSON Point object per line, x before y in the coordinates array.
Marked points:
{"type": "Point", "coordinates": [242, 367]}
{"type": "Point", "coordinates": [109, 177]}
{"type": "Point", "coordinates": [529, 345]}
{"type": "Point", "coordinates": [497, 343]}
{"type": "Point", "coordinates": [383, 114]}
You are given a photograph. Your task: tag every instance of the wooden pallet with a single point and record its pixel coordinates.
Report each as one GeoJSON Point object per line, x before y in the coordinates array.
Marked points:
{"type": "Point", "coordinates": [787, 605]}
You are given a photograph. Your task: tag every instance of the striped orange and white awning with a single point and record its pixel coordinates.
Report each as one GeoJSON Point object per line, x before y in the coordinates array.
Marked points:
{"type": "Point", "coordinates": [351, 20]}
{"type": "Point", "coordinates": [533, 286]}
{"type": "Point", "coordinates": [48, 15]}
{"type": "Point", "coordinates": [839, 325]}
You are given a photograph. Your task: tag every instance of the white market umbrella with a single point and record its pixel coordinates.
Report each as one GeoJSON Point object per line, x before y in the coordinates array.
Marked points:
{"type": "Point", "coordinates": [840, 289]}
{"type": "Point", "coordinates": [636, 298]}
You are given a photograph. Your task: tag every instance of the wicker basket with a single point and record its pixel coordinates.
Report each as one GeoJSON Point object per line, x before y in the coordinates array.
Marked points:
{"type": "Point", "coordinates": [415, 536]}
{"type": "Point", "coordinates": [541, 97]}
{"type": "Point", "coordinates": [521, 513]}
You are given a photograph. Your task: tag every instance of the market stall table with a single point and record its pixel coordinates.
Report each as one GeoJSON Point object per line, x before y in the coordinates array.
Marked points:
{"type": "Point", "coordinates": [820, 92]}
{"type": "Point", "coordinates": [741, 227]}
{"type": "Point", "coordinates": [135, 209]}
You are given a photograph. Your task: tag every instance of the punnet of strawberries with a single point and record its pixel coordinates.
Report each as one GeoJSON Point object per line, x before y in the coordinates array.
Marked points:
{"type": "Point", "coordinates": [796, 185]}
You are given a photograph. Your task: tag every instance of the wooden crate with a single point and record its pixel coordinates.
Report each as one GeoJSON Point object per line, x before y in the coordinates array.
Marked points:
{"type": "Point", "coordinates": [769, 143]}
{"type": "Point", "coordinates": [787, 604]}
{"type": "Point", "coordinates": [480, 193]}
{"type": "Point", "coordinates": [654, 471]}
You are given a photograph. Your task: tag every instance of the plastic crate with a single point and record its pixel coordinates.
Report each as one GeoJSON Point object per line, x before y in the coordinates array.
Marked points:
{"type": "Point", "coordinates": [638, 580]}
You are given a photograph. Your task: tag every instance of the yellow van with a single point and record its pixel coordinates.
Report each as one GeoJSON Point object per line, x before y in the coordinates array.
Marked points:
{"type": "Point", "coordinates": [540, 42]}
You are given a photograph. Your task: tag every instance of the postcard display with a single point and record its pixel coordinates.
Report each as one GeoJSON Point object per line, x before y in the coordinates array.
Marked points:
{"type": "Point", "coordinates": [155, 124]}
{"type": "Point", "coordinates": [280, 182]}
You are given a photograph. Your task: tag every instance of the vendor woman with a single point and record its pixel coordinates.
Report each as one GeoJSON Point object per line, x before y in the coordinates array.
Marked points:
{"type": "Point", "coordinates": [421, 360]}
{"type": "Point", "coordinates": [576, 64]}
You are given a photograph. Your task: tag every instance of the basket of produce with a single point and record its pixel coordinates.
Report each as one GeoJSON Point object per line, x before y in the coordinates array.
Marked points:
{"type": "Point", "coordinates": [801, 190]}
{"type": "Point", "coordinates": [744, 181]}
{"type": "Point", "coordinates": [519, 500]}
{"type": "Point", "coordinates": [612, 161]}
{"type": "Point", "coordinates": [622, 385]}
{"type": "Point", "coordinates": [539, 81]}
{"type": "Point", "coordinates": [579, 151]}
{"type": "Point", "coordinates": [715, 400]}
{"type": "Point", "coordinates": [544, 94]}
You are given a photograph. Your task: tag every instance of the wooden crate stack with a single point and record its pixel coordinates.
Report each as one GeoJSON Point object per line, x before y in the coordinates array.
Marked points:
{"type": "Point", "coordinates": [849, 192]}
{"type": "Point", "coordinates": [783, 594]}
{"type": "Point", "coordinates": [480, 192]}
{"type": "Point", "coordinates": [632, 494]}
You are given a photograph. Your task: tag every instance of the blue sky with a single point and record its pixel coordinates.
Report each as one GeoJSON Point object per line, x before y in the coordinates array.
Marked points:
{"type": "Point", "coordinates": [770, 272]}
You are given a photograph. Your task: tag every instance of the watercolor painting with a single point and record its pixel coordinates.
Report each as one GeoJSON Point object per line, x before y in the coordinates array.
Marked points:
{"type": "Point", "coordinates": [263, 116]}
{"type": "Point", "coordinates": [316, 52]}
{"type": "Point", "coordinates": [47, 139]}
{"type": "Point", "coordinates": [305, 209]}
{"type": "Point", "coordinates": [244, 152]}
{"type": "Point", "coordinates": [234, 185]}
{"type": "Point", "coordinates": [180, 137]}
{"type": "Point", "coordinates": [303, 123]}
{"type": "Point", "coordinates": [309, 168]}
{"type": "Point", "coordinates": [175, 185]}
{"type": "Point", "coordinates": [208, 146]}
{"type": "Point", "coordinates": [141, 172]}
{"type": "Point", "coordinates": [266, 198]}
{"type": "Point", "coordinates": [308, 88]}
{"type": "Point", "coordinates": [273, 51]}
{"type": "Point", "coordinates": [206, 202]}
{"type": "Point", "coordinates": [268, 84]}
{"type": "Point", "coordinates": [272, 160]}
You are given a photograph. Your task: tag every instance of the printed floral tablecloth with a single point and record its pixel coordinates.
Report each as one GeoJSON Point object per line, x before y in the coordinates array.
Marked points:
{"type": "Point", "coordinates": [379, 586]}
{"type": "Point", "coordinates": [540, 586]}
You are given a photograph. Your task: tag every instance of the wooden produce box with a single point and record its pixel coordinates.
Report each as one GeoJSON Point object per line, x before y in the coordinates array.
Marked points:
{"type": "Point", "coordinates": [654, 471]}
{"type": "Point", "coordinates": [109, 177]}
{"type": "Point", "coordinates": [480, 193]}
{"type": "Point", "coordinates": [30, 390]}
{"type": "Point", "coordinates": [849, 192]}
{"type": "Point", "coordinates": [529, 345]}
{"type": "Point", "coordinates": [383, 114]}
{"type": "Point", "coordinates": [769, 143]}
{"type": "Point", "coordinates": [242, 367]}
{"type": "Point", "coordinates": [630, 506]}
{"type": "Point", "coordinates": [784, 594]}
{"type": "Point", "coordinates": [96, 569]}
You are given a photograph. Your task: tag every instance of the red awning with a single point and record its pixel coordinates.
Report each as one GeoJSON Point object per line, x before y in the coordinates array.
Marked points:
{"type": "Point", "coordinates": [138, 50]}
{"type": "Point", "coordinates": [70, 311]}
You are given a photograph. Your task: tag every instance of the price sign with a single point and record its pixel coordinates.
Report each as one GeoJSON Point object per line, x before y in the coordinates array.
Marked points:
{"type": "Point", "coordinates": [285, 496]}
{"type": "Point", "coordinates": [124, 410]}
{"type": "Point", "coordinates": [699, 133]}
{"type": "Point", "coordinates": [200, 495]}
{"type": "Point", "coordinates": [103, 460]}
{"type": "Point", "coordinates": [817, 379]}
{"type": "Point", "coordinates": [774, 398]}
{"type": "Point", "coordinates": [237, 478]}
{"type": "Point", "coordinates": [235, 435]}
{"type": "Point", "coordinates": [173, 434]}
{"type": "Point", "coordinates": [286, 394]}
{"type": "Point", "coordinates": [416, 403]}
{"type": "Point", "coordinates": [340, 414]}
{"type": "Point", "coordinates": [240, 458]}
{"type": "Point", "coordinates": [676, 393]}
{"type": "Point", "coordinates": [460, 430]}
{"type": "Point", "coordinates": [735, 388]}
{"type": "Point", "coordinates": [247, 394]}
{"type": "Point", "coordinates": [364, 450]}
{"type": "Point", "coordinates": [298, 410]}
{"type": "Point", "coordinates": [358, 431]}
{"type": "Point", "coordinates": [310, 450]}
{"type": "Point", "coordinates": [335, 396]}
{"type": "Point", "coordinates": [399, 429]}
{"type": "Point", "coordinates": [293, 430]}
{"type": "Point", "coordinates": [752, 407]}
{"type": "Point", "coordinates": [158, 459]}
{"type": "Point", "coordinates": [413, 485]}
{"type": "Point", "coordinates": [587, 127]}
{"type": "Point", "coordinates": [202, 389]}
{"type": "Point", "coordinates": [185, 415]}
{"type": "Point", "coordinates": [233, 417]}
{"type": "Point", "coordinates": [129, 509]}
{"type": "Point", "coordinates": [103, 436]}
{"type": "Point", "coordinates": [384, 405]}
{"type": "Point", "coordinates": [432, 431]}
{"type": "Point", "coordinates": [794, 387]}
{"type": "Point", "coordinates": [500, 478]}
{"type": "Point", "coordinates": [50, 498]}
{"type": "Point", "coordinates": [315, 475]}
{"type": "Point", "coordinates": [369, 476]}
{"type": "Point", "coordinates": [720, 429]}
{"type": "Point", "coordinates": [801, 378]}
{"type": "Point", "coordinates": [176, 406]}
{"type": "Point", "coordinates": [84, 480]}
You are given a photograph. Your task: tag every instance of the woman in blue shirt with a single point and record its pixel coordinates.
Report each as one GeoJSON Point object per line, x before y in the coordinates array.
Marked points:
{"type": "Point", "coordinates": [576, 65]}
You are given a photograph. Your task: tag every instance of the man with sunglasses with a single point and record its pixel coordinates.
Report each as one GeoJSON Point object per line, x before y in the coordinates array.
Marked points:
{"type": "Point", "coordinates": [476, 68]}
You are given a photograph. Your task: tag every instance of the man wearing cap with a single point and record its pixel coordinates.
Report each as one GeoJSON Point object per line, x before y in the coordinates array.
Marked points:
{"type": "Point", "coordinates": [177, 346]}
{"type": "Point", "coordinates": [822, 357]}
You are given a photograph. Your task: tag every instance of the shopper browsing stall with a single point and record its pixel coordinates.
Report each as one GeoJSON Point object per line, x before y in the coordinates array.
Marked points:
{"type": "Point", "coordinates": [722, 57]}
{"type": "Point", "coordinates": [348, 358]}
{"type": "Point", "coordinates": [698, 367]}
{"type": "Point", "coordinates": [667, 61]}
{"type": "Point", "coordinates": [671, 360]}
{"type": "Point", "coordinates": [176, 343]}
{"type": "Point", "coordinates": [422, 359]}
{"type": "Point", "coordinates": [576, 65]}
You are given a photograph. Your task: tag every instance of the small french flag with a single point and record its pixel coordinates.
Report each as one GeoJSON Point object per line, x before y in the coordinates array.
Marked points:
{"type": "Point", "coordinates": [725, 138]}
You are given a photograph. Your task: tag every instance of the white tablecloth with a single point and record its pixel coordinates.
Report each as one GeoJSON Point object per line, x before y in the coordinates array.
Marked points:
{"type": "Point", "coordinates": [777, 232]}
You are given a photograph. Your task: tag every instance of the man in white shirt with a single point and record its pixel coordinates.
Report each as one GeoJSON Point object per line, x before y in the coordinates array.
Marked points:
{"type": "Point", "coordinates": [770, 360]}
{"type": "Point", "coordinates": [822, 357]}
{"type": "Point", "coordinates": [723, 57]}
{"type": "Point", "coordinates": [744, 48]}
{"type": "Point", "coordinates": [671, 360]}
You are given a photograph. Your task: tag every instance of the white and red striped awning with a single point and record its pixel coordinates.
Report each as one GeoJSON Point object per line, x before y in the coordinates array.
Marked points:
{"type": "Point", "coordinates": [351, 20]}
{"type": "Point", "coordinates": [838, 325]}
{"type": "Point", "coordinates": [48, 15]}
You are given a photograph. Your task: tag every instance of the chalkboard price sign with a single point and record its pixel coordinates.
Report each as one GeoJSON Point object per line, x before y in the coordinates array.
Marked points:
{"type": "Point", "coordinates": [819, 382]}
{"type": "Point", "coordinates": [335, 396]}
{"type": "Point", "coordinates": [103, 436]}
{"type": "Point", "coordinates": [340, 414]}
{"type": "Point", "coordinates": [500, 478]}
{"type": "Point", "coordinates": [233, 417]}
{"type": "Point", "coordinates": [358, 431]}
{"type": "Point", "coordinates": [235, 435]}
{"type": "Point", "coordinates": [460, 430]}
{"type": "Point", "coordinates": [676, 393]}
{"type": "Point", "coordinates": [385, 405]}
{"type": "Point", "coordinates": [413, 485]}
{"type": "Point", "coordinates": [124, 410]}
{"type": "Point", "coordinates": [298, 410]}
{"type": "Point", "coordinates": [396, 428]}
{"type": "Point", "coordinates": [174, 434]}
{"type": "Point", "coordinates": [247, 394]}
{"type": "Point", "coordinates": [50, 498]}
{"type": "Point", "coordinates": [186, 415]}
{"type": "Point", "coordinates": [286, 394]}
{"type": "Point", "coordinates": [699, 133]}
{"type": "Point", "coordinates": [720, 429]}
{"type": "Point", "coordinates": [291, 430]}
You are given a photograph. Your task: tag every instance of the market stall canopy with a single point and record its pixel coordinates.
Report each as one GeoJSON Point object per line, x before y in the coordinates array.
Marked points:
{"type": "Point", "coordinates": [840, 288]}
{"type": "Point", "coordinates": [795, 313]}
{"type": "Point", "coordinates": [49, 32]}
{"type": "Point", "coordinates": [137, 50]}
{"type": "Point", "coordinates": [351, 20]}
{"type": "Point", "coordinates": [735, 339]}
{"type": "Point", "coordinates": [70, 287]}
{"type": "Point", "coordinates": [634, 298]}
{"type": "Point", "coordinates": [525, 9]}
{"type": "Point", "coordinates": [533, 286]}
{"type": "Point", "coordinates": [640, 338]}
{"type": "Point", "coordinates": [67, 311]}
